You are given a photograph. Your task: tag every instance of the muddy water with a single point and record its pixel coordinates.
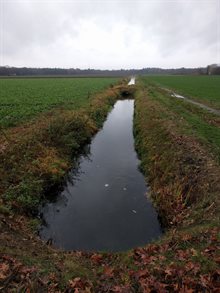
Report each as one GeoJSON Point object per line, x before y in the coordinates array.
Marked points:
{"type": "Point", "coordinates": [104, 203]}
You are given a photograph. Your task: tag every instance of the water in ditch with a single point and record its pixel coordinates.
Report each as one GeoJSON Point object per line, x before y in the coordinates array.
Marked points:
{"type": "Point", "coordinates": [104, 204]}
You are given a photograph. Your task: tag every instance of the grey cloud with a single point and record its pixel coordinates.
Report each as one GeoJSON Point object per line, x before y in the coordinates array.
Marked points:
{"type": "Point", "coordinates": [116, 34]}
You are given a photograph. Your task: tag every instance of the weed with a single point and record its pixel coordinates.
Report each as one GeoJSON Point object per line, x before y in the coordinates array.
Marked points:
{"type": "Point", "coordinates": [26, 194]}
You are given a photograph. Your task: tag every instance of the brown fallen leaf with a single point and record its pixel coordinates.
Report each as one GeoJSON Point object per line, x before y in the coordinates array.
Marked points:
{"type": "Point", "coordinates": [169, 271]}
{"type": "Point", "coordinates": [194, 267]}
{"type": "Point", "coordinates": [205, 280]}
{"type": "Point", "coordinates": [142, 273]}
{"type": "Point", "coordinates": [108, 271]}
{"type": "Point", "coordinates": [4, 270]}
{"type": "Point", "coordinates": [96, 258]}
{"type": "Point", "coordinates": [80, 286]}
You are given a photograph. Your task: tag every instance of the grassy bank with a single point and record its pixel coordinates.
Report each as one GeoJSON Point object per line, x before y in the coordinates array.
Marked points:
{"type": "Point", "coordinates": [179, 149]}
{"type": "Point", "coordinates": [37, 155]}
{"type": "Point", "coordinates": [182, 168]}
{"type": "Point", "coordinates": [178, 145]}
{"type": "Point", "coordinates": [204, 89]}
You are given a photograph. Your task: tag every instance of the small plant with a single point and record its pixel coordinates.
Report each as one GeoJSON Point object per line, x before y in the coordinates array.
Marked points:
{"type": "Point", "coordinates": [34, 224]}
{"type": "Point", "coordinates": [26, 195]}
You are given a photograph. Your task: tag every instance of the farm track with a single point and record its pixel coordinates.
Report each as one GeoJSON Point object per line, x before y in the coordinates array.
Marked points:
{"type": "Point", "coordinates": [203, 106]}
{"type": "Point", "coordinates": [202, 89]}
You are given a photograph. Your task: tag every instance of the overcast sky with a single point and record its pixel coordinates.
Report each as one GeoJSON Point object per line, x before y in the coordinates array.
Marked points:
{"type": "Point", "coordinates": [110, 34]}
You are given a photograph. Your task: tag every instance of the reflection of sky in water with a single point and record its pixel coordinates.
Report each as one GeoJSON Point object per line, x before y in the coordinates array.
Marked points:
{"type": "Point", "coordinates": [132, 81]}
{"type": "Point", "coordinates": [104, 205]}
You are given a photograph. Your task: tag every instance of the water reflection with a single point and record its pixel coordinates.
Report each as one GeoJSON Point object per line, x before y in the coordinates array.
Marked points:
{"type": "Point", "coordinates": [132, 81]}
{"type": "Point", "coordinates": [104, 205]}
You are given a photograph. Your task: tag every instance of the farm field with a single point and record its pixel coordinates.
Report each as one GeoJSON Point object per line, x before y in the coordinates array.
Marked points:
{"type": "Point", "coordinates": [24, 98]}
{"type": "Point", "coordinates": [205, 89]}
{"type": "Point", "coordinates": [109, 146]}
{"type": "Point", "coordinates": [191, 119]}
{"type": "Point", "coordinates": [179, 149]}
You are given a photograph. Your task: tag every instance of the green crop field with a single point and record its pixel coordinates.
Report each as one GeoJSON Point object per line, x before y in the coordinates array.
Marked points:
{"type": "Point", "coordinates": [198, 122]}
{"type": "Point", "coordinates": [23, 98]}
{"type": "Point", "coordinates": [205, 89]}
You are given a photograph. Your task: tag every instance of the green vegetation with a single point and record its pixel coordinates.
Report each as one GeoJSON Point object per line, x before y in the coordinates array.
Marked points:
{"type": "Point", "coordinates": [205, 89]}
{"type": "Point", "coordinates": [191, 119]}
{"type": "Point", "coordinates": [178, 144]}
{"type": "Point", "coordinates": [24, 98]}
{"type": "Point", "coordinates": [37, 156]}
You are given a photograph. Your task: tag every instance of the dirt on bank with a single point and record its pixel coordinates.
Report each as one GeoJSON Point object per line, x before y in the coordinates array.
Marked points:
{"type": "Point", "coordinates": [184, 179]}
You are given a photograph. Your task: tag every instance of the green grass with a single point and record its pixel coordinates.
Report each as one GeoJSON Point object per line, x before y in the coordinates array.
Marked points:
{"type": "Point", "coordinates": [200, 123]}
{"type": "Point", "coordinates": [24, 98]}
{"type": "Point", "coordinates": [168, 136]}
{"type": "Point", "coordinates": [205, 89]}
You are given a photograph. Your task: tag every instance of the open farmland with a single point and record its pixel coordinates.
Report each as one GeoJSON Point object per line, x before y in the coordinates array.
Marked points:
{"type": "Point", "coordinates": [24, 98]}
{"type": "Point", "coordinates": [205, 89]}
{"type": "Point", "coordinates": [191, 119]}
{"type": "Point", "coordinates": [179, 149]}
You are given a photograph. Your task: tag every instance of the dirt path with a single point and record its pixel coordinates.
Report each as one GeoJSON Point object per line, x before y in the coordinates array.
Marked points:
{"type": "Point", "coordinates": [211, 110]}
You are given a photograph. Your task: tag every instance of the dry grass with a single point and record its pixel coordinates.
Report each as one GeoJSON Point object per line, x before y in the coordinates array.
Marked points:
{"type": "Point", "coordinates": [181, 172]}
{"type": "Point", "coordinates": [184, 180]}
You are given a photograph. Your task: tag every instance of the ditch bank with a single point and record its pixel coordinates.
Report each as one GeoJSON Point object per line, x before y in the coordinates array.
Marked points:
{"type": "Point", "coordinates": [175, 164]}
{"type": "Point", "coordinates": [186, 258]}
{"type": "Point", "coordinates": [104, 204]}
{"type": "Point", "coordinates": [36, 157]}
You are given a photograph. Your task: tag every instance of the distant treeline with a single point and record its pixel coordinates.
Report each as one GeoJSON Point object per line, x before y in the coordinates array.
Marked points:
{"type": "Point", "coordinates": [25, 71]}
